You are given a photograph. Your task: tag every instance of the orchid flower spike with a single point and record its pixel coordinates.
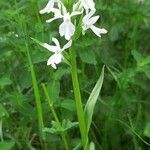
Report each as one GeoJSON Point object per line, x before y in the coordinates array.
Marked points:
{"type": "Point", "coordinates": [89, 21]}
{"type": "Point", "coordinates": [57, 57]}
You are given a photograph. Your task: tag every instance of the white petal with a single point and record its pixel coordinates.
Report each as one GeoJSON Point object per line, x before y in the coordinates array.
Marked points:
{"type": "Point", "coordinates": [74, 13]}
{"type": "Point", "coordinates": [54, 59]}
{"type": "Point", "coordinates": [64, 10]}
{"type": "Point", "coordinates": [48, 7]}
{"type": "Point", "coordinates": [88, 4]}
{"type": "Point", "coordinates": [67, 29]}
{"type": "Point", "coordinates": [98, 31]}
{"type": "Point", "coordinates": [76, 6]}
{"type": "Point", "coordinates": [52, 19]}
{"type": "Point", "coordinates": [57, 12]}
{"type": "Point", "coordinates": [66, 46]}
{"type": "Point", "coordinates": [62, 29]}
{"type": "Point", "coordinates": [54, 66]}
{"type": "Point", "coordinates": [57, 15]}
{"type": "Point", "coordinates": [87, 17]}
{"type": "Point", "coordinates": [57, 58]}
{"type": "Point", "coordinates": [93, 20]}
{"type": "Point", "coordinates": [49, 47]}
{"type": "Point", "coordinates": [56, 42]}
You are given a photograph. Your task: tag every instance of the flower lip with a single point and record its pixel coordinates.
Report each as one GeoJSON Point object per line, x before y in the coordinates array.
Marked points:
{"type": "Point", "coordinates": [57, 57]}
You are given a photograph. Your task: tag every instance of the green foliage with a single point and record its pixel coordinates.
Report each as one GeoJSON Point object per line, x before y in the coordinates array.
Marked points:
{"type": "Point", "coordinates": [6, 145]}
{"type": "Point", "coordinates": [56, 128]}
{"type": "Point", "coordinates": [120, 113]}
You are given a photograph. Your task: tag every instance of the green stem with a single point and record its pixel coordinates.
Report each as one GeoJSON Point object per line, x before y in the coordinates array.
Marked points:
{"type": "Point", "coordinates": [36, 94]}
{"type": "Point", "coordinates": [79, 108]}
{"type": "Point", "coordinates": [50, 103]}
{"type": "Point", "coordinates": [22, 25]}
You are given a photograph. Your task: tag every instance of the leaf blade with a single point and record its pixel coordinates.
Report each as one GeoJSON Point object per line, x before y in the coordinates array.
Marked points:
{"type": "Point", "coordinates": [89, 108]}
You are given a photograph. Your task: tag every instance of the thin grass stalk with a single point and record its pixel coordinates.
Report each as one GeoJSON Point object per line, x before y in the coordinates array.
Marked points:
{"type": "Point", "coordinates": [52, 109]}
{"type": "Point", "coordinates": [79, 108]}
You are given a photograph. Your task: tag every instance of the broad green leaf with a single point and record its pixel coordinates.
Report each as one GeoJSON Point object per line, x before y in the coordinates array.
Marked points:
{"type": "Point", "coordinates": [88, 56]}
{"type": "Point", "coordinates": [68, 104]}
{"type": "Point", "coordinates": [53, 88]}
{"type": "Point", "coordinates": [6, 145]}
{"type": "Point", "coordinates": [89, 107]}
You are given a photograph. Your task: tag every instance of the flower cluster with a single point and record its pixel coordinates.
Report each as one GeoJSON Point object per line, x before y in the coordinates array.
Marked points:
{"type": "Point", "coordinates": [67, 27]}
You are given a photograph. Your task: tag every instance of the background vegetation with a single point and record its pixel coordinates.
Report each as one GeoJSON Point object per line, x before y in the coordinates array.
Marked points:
{"type": "Point", "coordinates": [121, 119]}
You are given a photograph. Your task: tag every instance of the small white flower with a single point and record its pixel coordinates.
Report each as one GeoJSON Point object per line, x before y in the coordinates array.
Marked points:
{"type": "Point", "coordinates": [89, 21]}
{"type": "Point", "coordinates": [57, 57]}
{"type": "Point", "coordinates": [88, 4]}
{"type": "Point", "coordinates": [67, 28]}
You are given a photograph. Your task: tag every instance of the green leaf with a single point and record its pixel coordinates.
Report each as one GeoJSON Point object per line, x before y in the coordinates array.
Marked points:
{"type": "Point", "coordinates": [92, 146]}
{"type": "Point", "coordinates": [37, 41]}
{"type": "Point", "coordinates": [3, 112]}
{"type": "Point", "coordinates": [60, 128]}
{"type": "Point", "coordinates": [53, 89]}
{"type": "Point", "coordinates": [141, 61]}
{"type": "Point", "coordinates": [114, 34]}
{"type": "Point", "coordinates": [68, 104]}
{"type": "Point", "coordinates": [89, 108]}
{"type": "Point", "coordinates": [137, 56]}
{"type": "Point", "coordinates": [5, 81]}
{"type": "Point", "coordinates": [114, 74]}
{"type": "Point", "coordinates": [6, 145]}
{"type": "Point", "coordinates": [147, 130]}
{"type": "Point", "coordinates": [88, 56]}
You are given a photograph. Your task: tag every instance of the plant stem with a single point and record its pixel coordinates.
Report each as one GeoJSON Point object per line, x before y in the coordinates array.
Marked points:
{"type": "Point", "coordinates": [50, 103]}
{"type": "Point", "coordinates": [22, 25]}
{"type": "Point", "coordinates": [37, 94]}
{"type": "Point", "coordinates": [79, 108]}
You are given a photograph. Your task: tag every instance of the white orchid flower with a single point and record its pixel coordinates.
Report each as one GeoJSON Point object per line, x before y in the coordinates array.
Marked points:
{"type": "Point", "coordinates": [89, 21]}
{"type": "Point", "coordinates": [88, 4]}
{"type": "Point", "coordinates": [57, 57]}
{"type": "Point", "coordinates": [67, 28]}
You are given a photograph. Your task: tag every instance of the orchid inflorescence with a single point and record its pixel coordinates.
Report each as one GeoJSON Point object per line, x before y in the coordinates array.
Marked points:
{"type": "Point", "coordinates": [67, 28]}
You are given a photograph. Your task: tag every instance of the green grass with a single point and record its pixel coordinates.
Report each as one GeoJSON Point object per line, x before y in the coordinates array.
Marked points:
{"type": "Point", "coordinates": [121, 115]}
